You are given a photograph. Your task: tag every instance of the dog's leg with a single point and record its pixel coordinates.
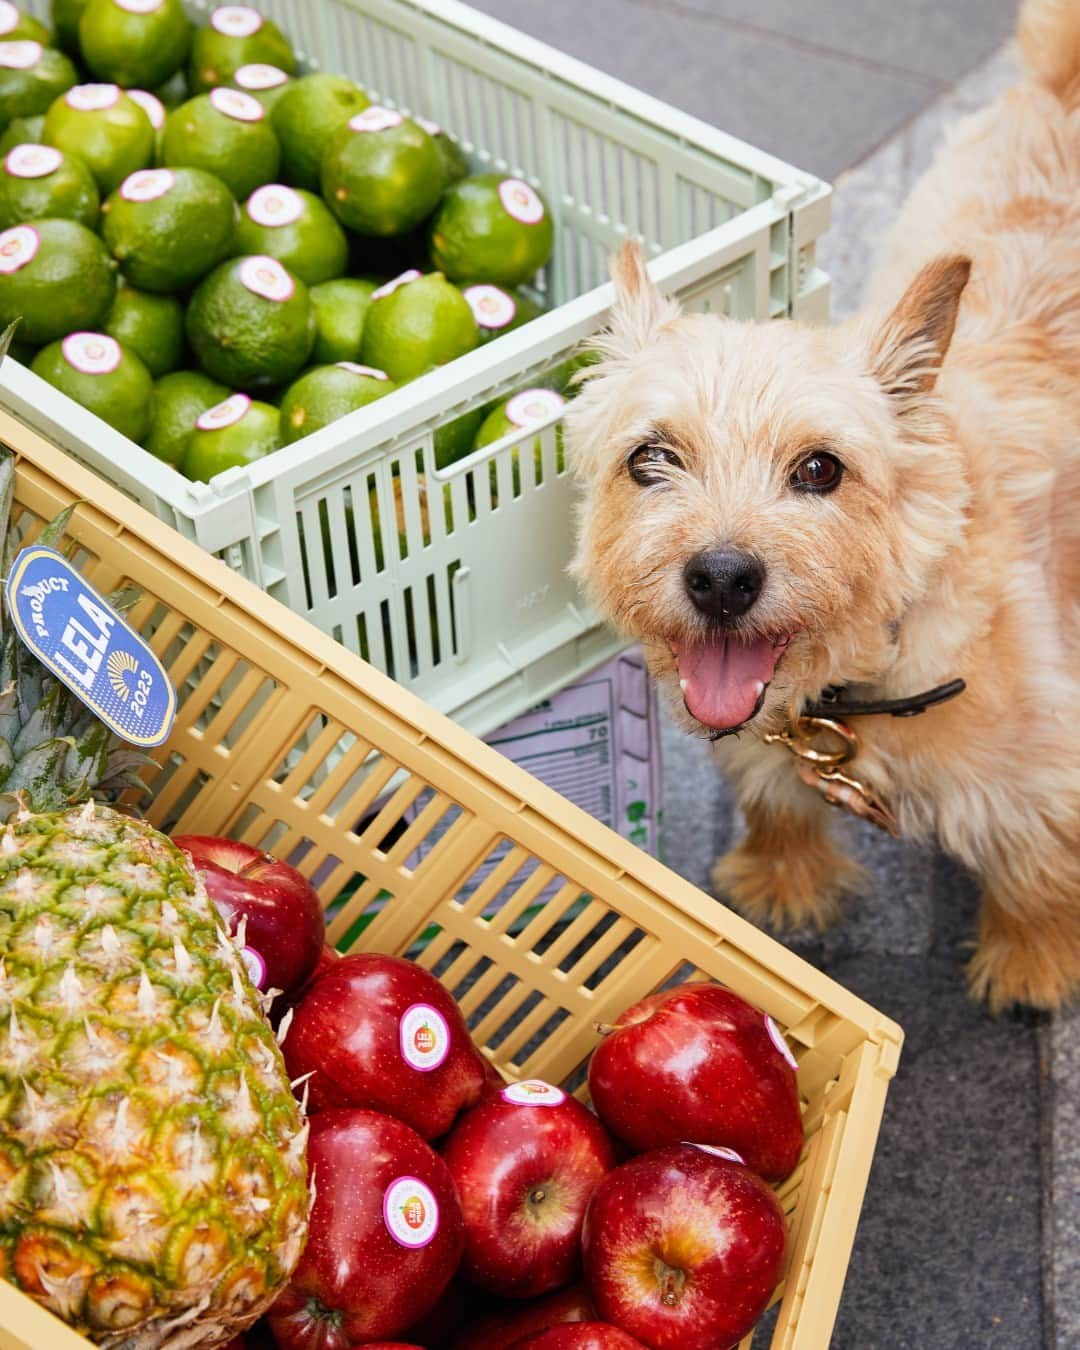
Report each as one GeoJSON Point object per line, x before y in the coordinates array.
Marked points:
{"type": "Point", "coordinates": [1028, 948]}
{"type": "Point", "coordinates": [787, 871]}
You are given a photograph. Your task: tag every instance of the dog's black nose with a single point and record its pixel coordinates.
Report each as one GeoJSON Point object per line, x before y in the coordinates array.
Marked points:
{"type": "Point", "coordinates": [722, 582]}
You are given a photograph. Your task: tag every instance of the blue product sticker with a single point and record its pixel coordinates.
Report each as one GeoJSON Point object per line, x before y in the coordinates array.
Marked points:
{"type": "Point", "coordinates": [78, 635]}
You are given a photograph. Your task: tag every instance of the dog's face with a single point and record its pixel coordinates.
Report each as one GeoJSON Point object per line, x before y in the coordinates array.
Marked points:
{"type": "Point", "coordinates": [764, 503]}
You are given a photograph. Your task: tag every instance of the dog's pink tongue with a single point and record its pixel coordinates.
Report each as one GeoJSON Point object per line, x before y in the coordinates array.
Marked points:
{"type": "Point", "coordinates": [722, 678]}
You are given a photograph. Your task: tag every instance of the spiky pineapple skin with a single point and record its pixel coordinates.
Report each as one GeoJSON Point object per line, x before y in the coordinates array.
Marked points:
{"type": "Point", "coordinates": [153, 1181]}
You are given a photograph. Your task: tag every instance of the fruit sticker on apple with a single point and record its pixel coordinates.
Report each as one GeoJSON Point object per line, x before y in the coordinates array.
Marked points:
{"type": "Point", "coordinates": [381, 1032]}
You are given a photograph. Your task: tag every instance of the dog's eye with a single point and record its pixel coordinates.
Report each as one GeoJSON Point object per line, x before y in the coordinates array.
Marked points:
{"type": "Point", "coordinates": [819, 472]}
{"type": "Point", "coordinates": [648, 462]}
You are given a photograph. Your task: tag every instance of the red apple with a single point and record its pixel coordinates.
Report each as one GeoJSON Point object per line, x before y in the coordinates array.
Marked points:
{"type": "Point", "coordinates": [502, 1329]}
{"type": "Point", "coordinates": [457, 1304]}
{"type": "Point", "coordinates": [385, 1235]}
{"type": "Point", "coordinates": [525, 1163]}
{"type": "Point", "coordinates": [581, 1336]}
{"type": "Point", "coordinates": [382, 1033]}
{"type": "Point", "coordinates": [699, 1063]}
{"type": "Point", "coordinates": [285, 922]}
{"type": "Point", "coordinates": [391, 1345]}
{"type": "Point", "coordinates": [683, 1248]}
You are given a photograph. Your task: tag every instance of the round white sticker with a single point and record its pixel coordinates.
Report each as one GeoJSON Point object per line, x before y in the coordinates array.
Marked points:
{"type": "Point", "coordinates": [426, 124]}
{"type": "Point", "coordinates": [17, 247]}
{"type": "Point", "coordinates": [224, 414]}
{"type": "Point", "coordinates": [362, 370]}
{"type": "Point", "coordinates": [375, 118]}
{"type": "Point", "coordinates": [266, 277]}
{"type": "Point", "coordinates": [424, 1037]}
{"type": "Point", "coordinates": [491, 305]}
{"type": "Point", "coordinates": [20, 55]}
{"type": "Point", "coordinates": [410, 1212]}
{"type": "Point", "coordinates": [533, 1092]}
{"type": "Point", "coordinates": [145, 185]}
{"type": "Point", "coordinates": [139, 6]}
{"type": "Point", "coordinates": [780, 1041]}
{"type": "Point", "coordinates": [275, 205]}
{"type": "Point", "coordinates": [254, 965]}
{"type": "Point", "coordinates": [257, 75]}
{"type": "Point", "coordinates": [521, 201]}
{"type": "Point", "coordinates": [236, 104]}
{"type": "Point", "coordinates": [237, 21]}
{"type": "Point", "coordinates": [534, 405]}
{"type": "Point", "coordinates": [151, 106]}
{"type": "Point", "coordinates": [9, 17]}
{"type": "Point", "coordinates": [33, 161]}
{"type": "Point", "coordinates": [93, 97]}
{"type": "Point", "coordinates": [728, 1153]}
{"type": "Point", "coordinates": [91, 353]}
{"type": "Point", "coordinates": [389, 287]}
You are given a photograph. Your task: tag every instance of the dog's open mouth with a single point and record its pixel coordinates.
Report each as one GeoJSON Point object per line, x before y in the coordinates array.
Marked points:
{"type": "Point", "coordinates": [724, 678]}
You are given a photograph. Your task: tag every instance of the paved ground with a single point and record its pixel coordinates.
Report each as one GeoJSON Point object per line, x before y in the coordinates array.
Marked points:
{"type": "Point", "coordinates": [970, 1236]}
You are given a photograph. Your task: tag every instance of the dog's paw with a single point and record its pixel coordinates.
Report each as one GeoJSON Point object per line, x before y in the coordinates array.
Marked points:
{"type": "Point", "coordinates": [1025, 968]}
{"type": "Point", "coordinates": [787, 890]}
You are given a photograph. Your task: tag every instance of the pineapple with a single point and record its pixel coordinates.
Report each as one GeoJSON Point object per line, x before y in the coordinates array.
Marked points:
{"type": "Point", "coordinates": [153, 1179]}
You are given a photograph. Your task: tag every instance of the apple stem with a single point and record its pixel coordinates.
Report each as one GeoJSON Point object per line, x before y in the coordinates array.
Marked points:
{"type": "Point", "coordinates": [605, 1028]}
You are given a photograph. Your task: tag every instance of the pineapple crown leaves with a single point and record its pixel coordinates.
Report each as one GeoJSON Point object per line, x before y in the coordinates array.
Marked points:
{"type": "Point", "coordinates": [53, 751]}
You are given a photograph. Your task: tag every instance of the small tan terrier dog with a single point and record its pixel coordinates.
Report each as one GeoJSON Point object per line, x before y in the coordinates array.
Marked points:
{"type": "Point", "coordinates": [778, 511]}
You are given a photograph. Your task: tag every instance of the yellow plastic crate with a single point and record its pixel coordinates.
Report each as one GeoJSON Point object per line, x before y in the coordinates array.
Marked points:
{"type": "Point", "coordinates": [286, 740]}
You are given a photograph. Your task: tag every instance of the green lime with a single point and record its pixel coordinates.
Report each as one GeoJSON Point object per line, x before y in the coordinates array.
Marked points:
{"type": "Point", "coordinates": [414, 323]}
{"type": "Point", "coordinates": [499, 309]}
{"type": "Point", "coordinates": [38, 181]}
{"type": "Point", "coordinates": [340, 309]}
{"type": "Point", "coordinates": [491, 228]}
{"type": "Point", "coordinates": [22, 131]}
{"type": "Point", "coordinates": [94, 370]}
{"type": "Point", "coordinates": [174, 91]}
{"type": "Point", "coordinates": [57, 276]}
{"type": "Point", "coordinates": [322, 395]}
{"type": "Point", "coordinates": [455, 161]}
{"type": "Point", "coordinates": [305, 117]}
{"type": "Point", "coordinates": [151, 326]}
{"type": "Point", "coordinates": [236, 36]}
{"type": "Point", "coordinates": [454, 440]}
{"type": "Point", "coordinates": [100, 124]}
{"type": "Point", "coordinates": [381, 173]}
{"type": "Point", "coordinates": [250, 323]}
{"type": "Point", "coordinates": [168, 227]}
{"type": "Point", "coordinates": [179, 399]}
{"type": "Point", "coordinates": [234, 432]}
{"type": "Point", "coordinates": [562, 378]}
{"type": "Point", "coordinates": [31, 78]}
{"type": "Point", "coordinates": [522, 410]}
{"type": "Point", "coordinates": [134, 42]}
{"type": "Point", "coordinates": [153, 107]}
{"type": "Point", "coordinates": [225, 132]}
{"type": "Point", "coordinates": [296, 228]}
{"type": "Point", "coordinates": [65, 20]}
{"type": "Point", "coordinates": [15, 26]}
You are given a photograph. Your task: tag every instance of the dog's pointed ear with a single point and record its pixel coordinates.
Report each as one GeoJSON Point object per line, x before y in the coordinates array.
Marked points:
{"type": "Point", "coordinates": [639, 310]}
{"type": "Point", "coordinates": [907, 351]}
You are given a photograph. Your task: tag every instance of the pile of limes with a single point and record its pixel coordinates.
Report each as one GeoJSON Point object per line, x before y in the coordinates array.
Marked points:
{"type": "Point", "coordinates": [219, 255]}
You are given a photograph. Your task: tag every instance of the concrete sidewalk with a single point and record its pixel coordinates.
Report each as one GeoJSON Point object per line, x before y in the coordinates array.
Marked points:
{"type": "Point", "coordinates": [970, 1236]}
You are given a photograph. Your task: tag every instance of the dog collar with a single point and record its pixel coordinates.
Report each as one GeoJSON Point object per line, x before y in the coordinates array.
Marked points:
{"type": "Point", "coordinates": [833, 704]}
{"type": "Point", "coordinates": [821, 766]}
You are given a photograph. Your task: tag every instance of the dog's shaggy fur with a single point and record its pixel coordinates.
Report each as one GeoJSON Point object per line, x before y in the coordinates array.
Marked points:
{"type": "Point", "coordinates": [951, 546]}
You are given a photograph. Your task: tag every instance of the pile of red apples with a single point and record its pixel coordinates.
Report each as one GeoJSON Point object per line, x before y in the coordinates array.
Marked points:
{"type": "Point", "coordinates": [456, 1211]}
